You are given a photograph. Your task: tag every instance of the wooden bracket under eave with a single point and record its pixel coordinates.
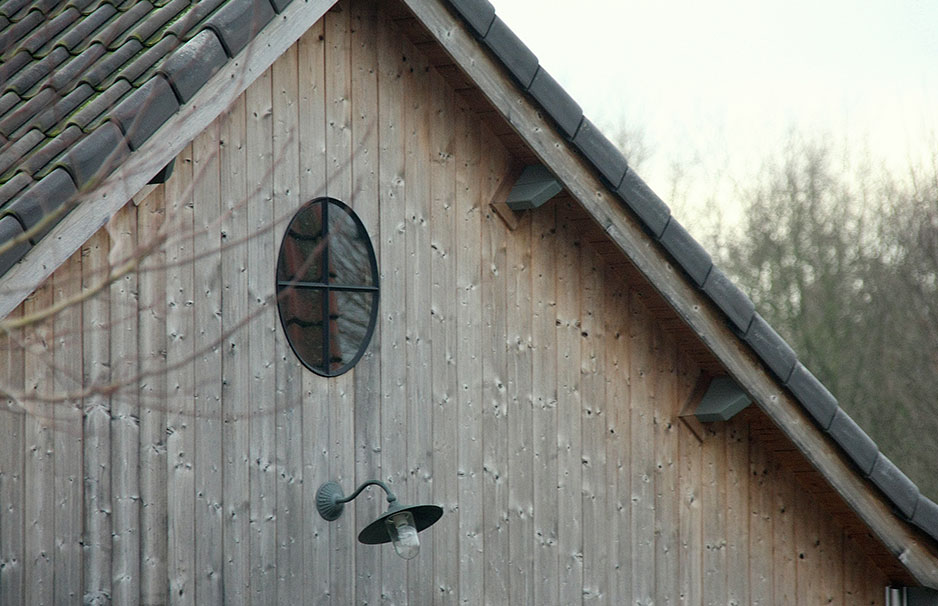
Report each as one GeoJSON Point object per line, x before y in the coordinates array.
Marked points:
{"type": "Point", "coordinates": [499, 202]}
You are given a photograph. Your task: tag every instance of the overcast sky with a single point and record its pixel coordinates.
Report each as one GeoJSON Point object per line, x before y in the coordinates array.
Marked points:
{"type": "Point", "coordinates": [715, 86]}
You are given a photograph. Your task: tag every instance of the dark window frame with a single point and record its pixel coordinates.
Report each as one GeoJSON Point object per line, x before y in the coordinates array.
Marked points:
{"type": "Point", "coordinates": [326, 286]}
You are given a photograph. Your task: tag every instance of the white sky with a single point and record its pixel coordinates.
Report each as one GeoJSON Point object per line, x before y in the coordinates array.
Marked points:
{"type": "Point", "coordinates": [715, 87]}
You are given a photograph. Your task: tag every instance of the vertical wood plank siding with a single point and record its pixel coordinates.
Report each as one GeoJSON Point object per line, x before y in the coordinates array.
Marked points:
{"type": "Point", "coordinates": [169, 444]}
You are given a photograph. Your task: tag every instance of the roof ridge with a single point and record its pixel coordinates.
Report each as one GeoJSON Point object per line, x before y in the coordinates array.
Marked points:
{"type": "Point", "coordinates": [656, 219]}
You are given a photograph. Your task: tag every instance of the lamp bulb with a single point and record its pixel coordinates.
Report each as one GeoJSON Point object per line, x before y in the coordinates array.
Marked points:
{"type": "Point", "coordinates": [404, 535]}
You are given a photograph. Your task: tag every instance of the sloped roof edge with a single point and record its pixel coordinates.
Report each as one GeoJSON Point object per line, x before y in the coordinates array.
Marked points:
{"type": "Point", "coordinates": [694, 261]}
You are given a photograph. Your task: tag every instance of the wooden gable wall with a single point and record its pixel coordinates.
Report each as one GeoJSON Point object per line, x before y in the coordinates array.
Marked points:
{"type": "Point", "coordinates": [170, 445]}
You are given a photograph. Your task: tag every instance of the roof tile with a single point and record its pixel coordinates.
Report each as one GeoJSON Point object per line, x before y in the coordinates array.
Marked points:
{"type": "Point", "coordinates": [926, 515]}
{"type": "Point", "coordinates": [645, 203]}
{"type": "Point", "coordinates": [730, 299]}
{"type": "Point", "coordinates": [14, 186]}
{"type": "Point", "coordinates": [774, 351]}
{"type": "Point", "coordinates": [87, 113]}
{"type": "Point", "coordinates": [8, 101]}
{"type": "Point", "coordinates": [599, 150]}
{"type": "Point", "coordinates": [556, 102]}
{"type": "Point", "coordinates": [68, 73]}
{"type": "Point", "coordinates": [94, 156]}
{"type": "Point", "coordinates": [49, 30]}
{"type": "Point", "coordinates": [11, 7]}
{"type": "Point", "coordinates": [10, 37]}
{"type": "Point", "coordinates": [136, 68]}
{"type": "Point", "coordinates": [518, 58]}
{"type": "Point", "coordinates": [237, 22]}
{"type": "Point", "coordinates": [479, 14]}
{"type": "Point", "coordinates": [111, 62]}
{"type": "Point", "coordinates": [52, 148]}
{"type": "Point", "coordinates": [190, 66]}
{"type": "Point", "coordinates": [10, 229]}
{"type": "Point", "coordinates": [9, 68]}
{"type": "Point", "coordinates": [182, 27]}
{"type": "Point", "coordinates": [895, 484]}
{"type": "Point", "coordinates": [858, 445]}
{"type": "Point", "coordinates": [20, 115]}
{"type": "Point", "coordinates": [19, 148]}
{"type": "Point", "coordinates": [30, 75]}
{"type": "Point", "coordinates": [688, 253]}
{"type": "Point", "coordinates": [47, 198]}
{"type": "Point", "coordinates": [145, 110]}
{"type": "Point", "coordinates": [812, 394]}
{"type": "Point", "coordinates": [110, 34]}
{"type": "Point", "coordinates": [74, 38]}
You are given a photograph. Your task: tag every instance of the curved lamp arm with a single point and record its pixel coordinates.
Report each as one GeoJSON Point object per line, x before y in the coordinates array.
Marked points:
{"type": "Point", "coordinates": [330, 501]}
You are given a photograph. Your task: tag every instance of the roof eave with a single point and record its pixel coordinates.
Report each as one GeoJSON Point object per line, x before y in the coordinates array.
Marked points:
{"type": "Point", "coordinates": [94, 207]}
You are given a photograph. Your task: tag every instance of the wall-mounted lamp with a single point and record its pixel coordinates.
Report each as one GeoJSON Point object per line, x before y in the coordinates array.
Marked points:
{"type": "Point", "coordinates": [398, 525]}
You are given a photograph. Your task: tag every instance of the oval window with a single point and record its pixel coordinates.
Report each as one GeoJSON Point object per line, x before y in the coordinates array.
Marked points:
{"type": "Point", "coordinates": [327, 286]}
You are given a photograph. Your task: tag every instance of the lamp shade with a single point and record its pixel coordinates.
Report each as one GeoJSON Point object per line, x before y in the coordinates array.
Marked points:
{"type": "Point", "coordinates": [377, 532]}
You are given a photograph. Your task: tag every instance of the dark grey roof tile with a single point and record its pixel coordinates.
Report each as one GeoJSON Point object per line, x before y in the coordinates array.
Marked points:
{"type": "Point", "coordinates": [19, 116]}
{"type": "Point", "coordinates": [859, 447]}
{"type": "Point", "coordinates": [69, 72]}
{"type": "Point", "coordinates": [49, 30]}
{"type": "Point", "coordinates": [51, 149]}
{"type": "Point", "coordinates": [279, 5]}
{"type": "Point", "coordinates": [46, 6]}
{"type": "Point", "coordinates": [895, 485]}
{"type": "Point", "coordinates": [645, 203]}
{"type": "Point", "coordinates": [18, 149]}
{"type": "Point", "coordinates": [556, 102]}
{"type": "Point", "coordinates": [145, 110]}
{"type": "Point", "coordinates": [11, 36]}
{"type": "Point", "coordinates": [96, 155]}
{"type": "Point", "coordinates": [238, 21]}
{"type": "Point", "coordinates": [730, 299]}
{"type": "Point", "coordinates": [136, 68]}
{"type": "Point", "coordinates": [812, 394]}
{"type": "Point", "coordinates": [11, 7]}
{"type": "Point", "coordinates": [111, 34]}
{"type": "Point", "coordinates": [144, 29]}
{"type": "Point", "coordinates": [82, 5]}
{"type": "Point", "coordinates": [8, 69]}
{"type": "Point", "coordinates": [185, 25]}
{"type": "Point", "coordinates": [88, 112]}
{"type": "Point", "coordinates": [479, 14]}
{"type": "Point", "coordinates": [111, 63]}
{"type": "Point", "coordinates": [10, 230]}
{"type": "Point", "coordinates": [688, 253]}
{"type": "Point", "coordinates": [511, 51]}
{"type": "Point", "coordinates": [190, 66]}
{"type": "Point", "coordinates": [8, 101]}
{"type": "Point", "coordinates": [926, 515]}
{"type": "Point", "coordinates": [82, 32]}
{"type": "Point", "coordinates": [50, 197]}
{"type": "Point", "coordinates": [30, 75]}
{"type": "Point", "coordinates": [772, 349]}
{"type": "Point", "coordinates": [18, 183]}
{"type": "Point", "coordinates": [599, 150]}
{"type": "Point", "coordinates": [63, 107]}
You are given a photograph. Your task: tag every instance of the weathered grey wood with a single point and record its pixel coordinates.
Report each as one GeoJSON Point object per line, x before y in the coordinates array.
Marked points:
{"type": "Point", "coordinates": [469, 357]}
{"type": "Point", "coordinates": [691, 305]}
{"type": "Point", "coordinates": [544, 392]}
{"type": "Point", "coordinates": [364, 171]}
{"type": "Point", "coordinates": [289, 381]}
{"type": "Point", "coordinates": [12, 480]}
{"type": "Point", "coordinates": [642, 377]}
{"type": "Point", "coordinates": [443, 334]}
{"type": "Point", "coordinates": [180, 385]}
{"type": "Point", "coordinates": [213, 98]}
{"type": "Point", "coordinates": [207, 366]}
{"type": "Point", "coordinates": [495, 396]}
{"type": "Point", "coordinates": [596, 557]}
{"type": "Point", "coordinates": [261, 265]}
{"type": "Point", "coordinates": [783, 539]}
{"type": "Point", "coordinates": [67, 453]}
{"type": "Point", "coordinates": [151, 282]}
{"type": "Point", "coordinates": [125, 427]}
{"type": "Point", "coordinates": [760, 526]}
{"type": "Point", "coordinates": [690, 558]}
{"type": "Point", "coordinates": [236, 360]}
{"type": "Point", "coordinates": [97, 424]}
{"type": "Point", "coordinates": [316, 405]}
{"type": "Point", "coordinates": [341, 389]}
{"type": "Point", "coordinates": [569, 439]}
{"type": "Point", "coordinates": [737, 511]}
{"type": "Point", "coordinates": [666, 472]}
{"type": "Point", "coordinates": [713, 522]}
{"type": "Point", "coordinates": [39, 467]}
{"type": "Point", "coordinates": [807, 545]}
